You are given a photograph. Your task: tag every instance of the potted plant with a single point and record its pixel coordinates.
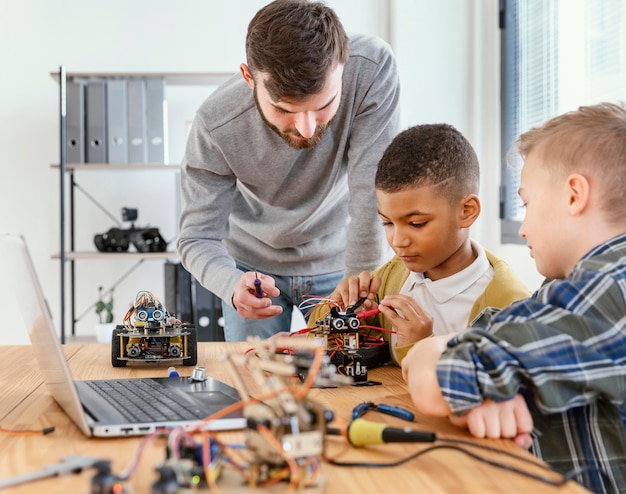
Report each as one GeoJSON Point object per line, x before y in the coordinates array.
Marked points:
{"type": "Point", "coordinates": [104, 309]}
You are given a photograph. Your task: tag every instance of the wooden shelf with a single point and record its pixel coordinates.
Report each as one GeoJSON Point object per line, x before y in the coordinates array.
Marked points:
{"type": "Point", "coordinates": [118, 256]}
{"type": "Point", "coordinates": [174, 79]}
{"type": "Point", "coordinates": [118, 166]}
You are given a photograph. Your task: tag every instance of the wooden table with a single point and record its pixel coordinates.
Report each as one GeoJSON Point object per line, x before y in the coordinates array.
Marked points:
{"type": "Point", "coordinates": [26, 404]}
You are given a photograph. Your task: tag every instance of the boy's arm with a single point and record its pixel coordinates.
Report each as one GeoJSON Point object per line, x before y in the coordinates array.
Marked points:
{"type": "Point", "coordinates": [419, 369]}
{"type": "Point", "coordinates": [560, 371]}
{"type": "Point", "coordinates": [509, 419]}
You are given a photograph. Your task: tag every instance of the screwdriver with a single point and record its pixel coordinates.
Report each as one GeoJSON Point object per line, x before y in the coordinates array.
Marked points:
{"type": "Point", "coordinates": [394, 411]}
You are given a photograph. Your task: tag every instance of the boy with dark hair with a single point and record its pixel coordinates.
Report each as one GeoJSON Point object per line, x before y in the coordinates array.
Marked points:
{"type": "Point", "coordinates": [556, 360]}
{"type": "Point", "coordinates": [277, 173]}
{"type": "Point", "coordinates": [427, 185]}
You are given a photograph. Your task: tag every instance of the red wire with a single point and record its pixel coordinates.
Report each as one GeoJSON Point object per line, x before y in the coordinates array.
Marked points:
{"type": "Point", "coordinates": [367, 313]}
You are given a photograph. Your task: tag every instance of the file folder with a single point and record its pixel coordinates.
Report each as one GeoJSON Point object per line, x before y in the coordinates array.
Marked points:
{"type": "Point", "coordinates": [96, 122]}
{"type": "Point", "coordinates": [155, 119]}
{"type": "Point", "coordinates": [117, 127]}
{"type": "Point", "coordinates": [137, 147]}
{"type": "Point", "coordinates": [75, 122]}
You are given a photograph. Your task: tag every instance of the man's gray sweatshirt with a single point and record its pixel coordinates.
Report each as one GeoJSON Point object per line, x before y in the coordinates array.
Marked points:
{"type": "Point", "coordinates": [248, 196]}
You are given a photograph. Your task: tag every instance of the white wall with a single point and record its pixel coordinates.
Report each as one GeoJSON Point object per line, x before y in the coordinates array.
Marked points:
{"type": "Point", "coordinates": [447, 52]}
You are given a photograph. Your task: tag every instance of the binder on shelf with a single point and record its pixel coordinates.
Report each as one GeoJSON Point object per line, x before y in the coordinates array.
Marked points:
{"type": "Point", "coordinates": [155, 119]}
{"type": "Point", "coordinates": [96, 122]}
{"type": "Point", "coordinates": [137, 147]}
{"type": "Point", "coordinates": [117, 126]}
{"type": "Point", "coordinates": [75, 122]}
{"type": "Point", "coordinates": [192, 303]}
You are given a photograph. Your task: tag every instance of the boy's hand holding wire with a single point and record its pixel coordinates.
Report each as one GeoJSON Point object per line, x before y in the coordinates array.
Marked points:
{"type": "Point", "coordinates": [410, 321]}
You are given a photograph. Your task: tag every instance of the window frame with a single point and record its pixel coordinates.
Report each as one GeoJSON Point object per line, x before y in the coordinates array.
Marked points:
{"type": "Point", "coordinates": [556, 55]}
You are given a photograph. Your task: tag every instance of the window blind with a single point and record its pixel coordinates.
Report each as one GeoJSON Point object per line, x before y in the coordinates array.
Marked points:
{"type": "Point", "coordinates": [557, 55]}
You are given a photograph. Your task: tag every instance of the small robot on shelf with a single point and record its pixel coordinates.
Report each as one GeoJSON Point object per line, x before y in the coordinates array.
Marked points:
{"type": "Point", "coordinates": [151, 334]}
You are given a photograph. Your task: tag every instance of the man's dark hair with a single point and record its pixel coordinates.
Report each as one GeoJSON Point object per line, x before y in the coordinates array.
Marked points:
{"type": "Point", "coordinates": [297, 43]}
{"type": "Point", "coordinates": [430, 155]}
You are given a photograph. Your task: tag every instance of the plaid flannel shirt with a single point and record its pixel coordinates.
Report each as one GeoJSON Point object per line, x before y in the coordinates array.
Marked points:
{"type": "Point", "coordinates": [564, 349]}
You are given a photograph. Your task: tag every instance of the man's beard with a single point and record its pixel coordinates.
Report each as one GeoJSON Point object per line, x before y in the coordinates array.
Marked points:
{"type": "Point", "coordinates": [292, 137]}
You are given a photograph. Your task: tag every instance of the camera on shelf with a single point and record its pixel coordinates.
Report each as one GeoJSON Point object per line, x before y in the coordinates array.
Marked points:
{"type": "Point", "coordinates": [120, 239]}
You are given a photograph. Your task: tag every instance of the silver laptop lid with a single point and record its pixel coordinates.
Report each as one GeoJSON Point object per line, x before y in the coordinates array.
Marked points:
{"type": "Point", "coordinates": [18, 270]}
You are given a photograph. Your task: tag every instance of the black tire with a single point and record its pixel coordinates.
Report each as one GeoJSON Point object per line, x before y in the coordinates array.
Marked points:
{"type": "Point", "coordinates": [115, 347]}
{"type": "Point", "coordinates": [192, 346]}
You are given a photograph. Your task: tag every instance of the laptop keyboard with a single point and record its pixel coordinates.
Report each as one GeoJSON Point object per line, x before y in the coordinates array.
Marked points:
{"type": "Point", "coordinates": [146, 401]}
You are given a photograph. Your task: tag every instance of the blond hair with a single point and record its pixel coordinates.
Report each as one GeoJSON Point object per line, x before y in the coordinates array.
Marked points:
{"type": "Point", "coordinates": [590, 141]}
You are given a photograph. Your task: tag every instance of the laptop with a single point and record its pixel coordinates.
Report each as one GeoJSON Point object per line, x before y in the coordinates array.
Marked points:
{"type": "Point", "coordinates": [91, 404]}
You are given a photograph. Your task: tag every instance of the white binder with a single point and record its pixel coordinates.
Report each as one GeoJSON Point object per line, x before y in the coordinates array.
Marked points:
{"type": "Point", "coordinates": [155, 119]}
{"type": "Point", "coordinates": [117, 126]}
{"type": "Point", "coordinates": [137, 147]}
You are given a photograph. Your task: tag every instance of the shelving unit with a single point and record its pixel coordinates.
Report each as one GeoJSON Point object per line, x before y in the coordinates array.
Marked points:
{"type": "Point", "coordinates": [67, 253]}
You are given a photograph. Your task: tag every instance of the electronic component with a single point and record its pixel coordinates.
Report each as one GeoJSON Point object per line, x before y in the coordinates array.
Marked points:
{"type": "Point", "coordinates": [198, 374]}
{"type": "Point", "coordinates": [326, 377]}
{"type": "Point", "coordinates": [104, 482]}
{"type": "Point", "coordinates": [151, 334]}
{"type": "Point", "coordinates": [351, 351]}
{"type": "Point", "coordinates": [167, 482]}
{"type": "Point", "coordinates": [286, 429]}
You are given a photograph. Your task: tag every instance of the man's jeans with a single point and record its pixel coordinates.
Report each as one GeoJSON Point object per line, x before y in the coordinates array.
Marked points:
{"type": "Point", "coordinates": [292, 288]}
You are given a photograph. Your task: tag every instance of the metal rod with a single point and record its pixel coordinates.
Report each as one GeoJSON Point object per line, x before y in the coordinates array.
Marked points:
{"type": "Point", "coordinates": [62, 138]}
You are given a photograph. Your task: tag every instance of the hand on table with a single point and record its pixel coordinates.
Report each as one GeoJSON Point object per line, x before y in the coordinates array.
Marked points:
{"type": "Point", "coordinates": [507, 419]}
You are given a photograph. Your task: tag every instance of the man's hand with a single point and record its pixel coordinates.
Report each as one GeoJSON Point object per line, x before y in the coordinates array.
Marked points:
{"type": "Point", "coordinates": [248, 304]}
{"type": "Point", "coordinates": [508, 419]}
{"type": "Point", "coordinates": [352, 288]}
{"type": "Point", "coordinates": [407, 317]}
